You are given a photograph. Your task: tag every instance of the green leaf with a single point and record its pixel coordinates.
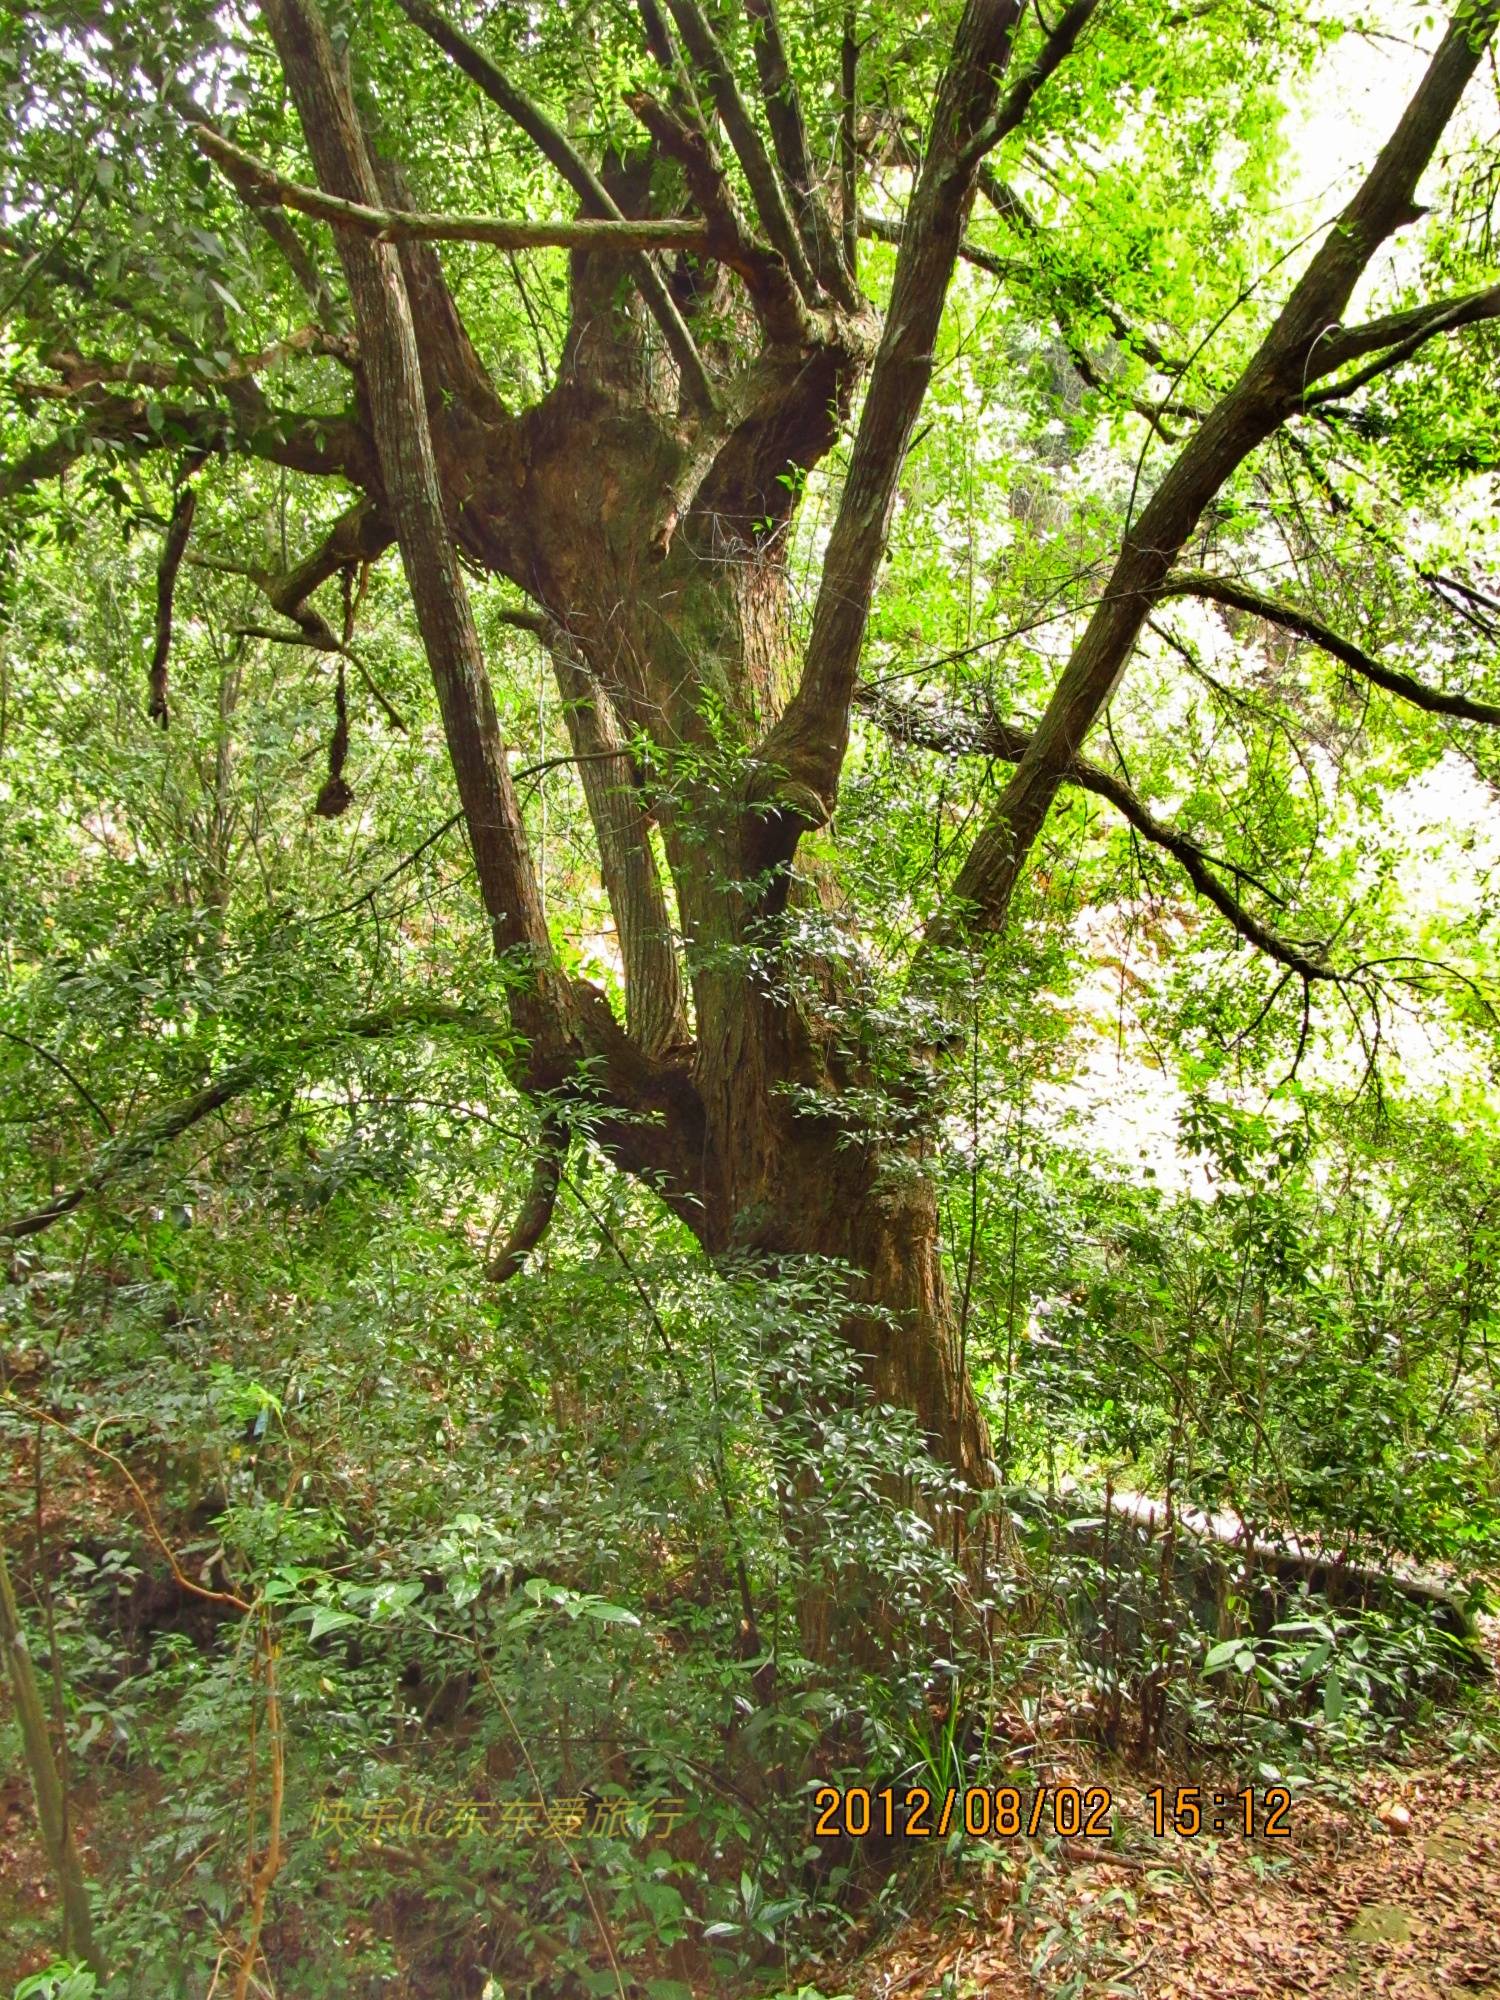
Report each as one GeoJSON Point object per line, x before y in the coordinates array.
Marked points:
{"type": "Point", "coordinates": [328, 1618]}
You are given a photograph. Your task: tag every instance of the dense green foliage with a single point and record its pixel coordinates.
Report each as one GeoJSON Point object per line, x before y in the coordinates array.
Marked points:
{"type": "Point", "coordinates": [1211, 1227]}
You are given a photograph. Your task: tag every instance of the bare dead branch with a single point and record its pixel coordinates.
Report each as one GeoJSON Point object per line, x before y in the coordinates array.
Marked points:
{"type": "Point", "coordinates": [270, 633]}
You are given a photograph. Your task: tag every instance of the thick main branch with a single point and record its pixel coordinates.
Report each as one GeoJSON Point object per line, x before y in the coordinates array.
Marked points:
{"type": "Point", "coordinates": [804, 753]}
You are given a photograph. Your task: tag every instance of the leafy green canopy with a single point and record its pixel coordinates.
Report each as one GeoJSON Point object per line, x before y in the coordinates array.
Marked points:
{"type": "Point", "coordinates": [279, 1300]}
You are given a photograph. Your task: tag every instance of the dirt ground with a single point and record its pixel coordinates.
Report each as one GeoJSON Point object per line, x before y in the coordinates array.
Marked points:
{"type": "Point", "coordinates": [1392, 1891]}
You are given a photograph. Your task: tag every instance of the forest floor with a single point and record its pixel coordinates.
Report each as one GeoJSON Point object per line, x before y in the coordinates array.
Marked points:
{"type": "Point", "coordinates": [1359, 1901]}
{"type": "Point", "coordinates": [1405, 1906]}
{"type": "Point", "coordinates": [1389, 1888]}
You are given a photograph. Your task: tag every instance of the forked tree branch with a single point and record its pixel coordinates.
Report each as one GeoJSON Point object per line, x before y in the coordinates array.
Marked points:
{"type": "Point", "coordinates": [775, 217]}
{"type": "Point", "coordinates": [680, 135]}
{"type": "Point", "coordinates": [1293, 618]}
{"type": "Point", "coordinates": [403, 440]}
{"type": "Point", "coordinates": [556, 147]}
{"type": "Point", "coordinates": [1402, 333]}
{"type": "Point", "coordinates": [789, 133]}
{"type": "Point", "coordinates": [1012, 109]}
{"type": "Point", "coordinates": [572, 1041]}
{"type": "Point", "coordinates": [1266, 394]}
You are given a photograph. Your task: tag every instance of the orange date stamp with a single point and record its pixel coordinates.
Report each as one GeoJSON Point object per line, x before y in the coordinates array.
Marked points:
{"type": "Point", "coordinates": [1068, 1812]}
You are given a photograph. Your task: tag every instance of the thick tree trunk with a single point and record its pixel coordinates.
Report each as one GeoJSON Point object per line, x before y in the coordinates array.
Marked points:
{"type": "Point", "coordinates": [784, 1167]}
{"type": "Point", "coordinates": [879, 1214]}
{"type": "Point", "coordinates": [649, 529]}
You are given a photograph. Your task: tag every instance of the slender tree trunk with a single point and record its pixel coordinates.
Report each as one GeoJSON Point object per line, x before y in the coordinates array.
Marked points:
{"type": "Point", "coordinates": [57, 1835]}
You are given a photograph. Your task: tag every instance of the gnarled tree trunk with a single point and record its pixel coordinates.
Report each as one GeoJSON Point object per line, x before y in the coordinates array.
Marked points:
{"type": "Point", "coordinates": [648, 527]}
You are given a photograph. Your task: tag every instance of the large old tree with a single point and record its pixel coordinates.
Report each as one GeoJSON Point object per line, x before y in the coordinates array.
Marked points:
{"type": "Point", "coordinates": [763, 218]}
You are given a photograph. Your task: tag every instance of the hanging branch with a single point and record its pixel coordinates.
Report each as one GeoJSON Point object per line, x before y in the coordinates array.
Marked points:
{"type": "Point", "coordinates": [337, 795]}
{"type": "Point", "coordinates": [173, 549]}
{"type": "Point", "coordinates": [353, 598]}
{"type": "Point", "coordinates": [536, 1211]}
